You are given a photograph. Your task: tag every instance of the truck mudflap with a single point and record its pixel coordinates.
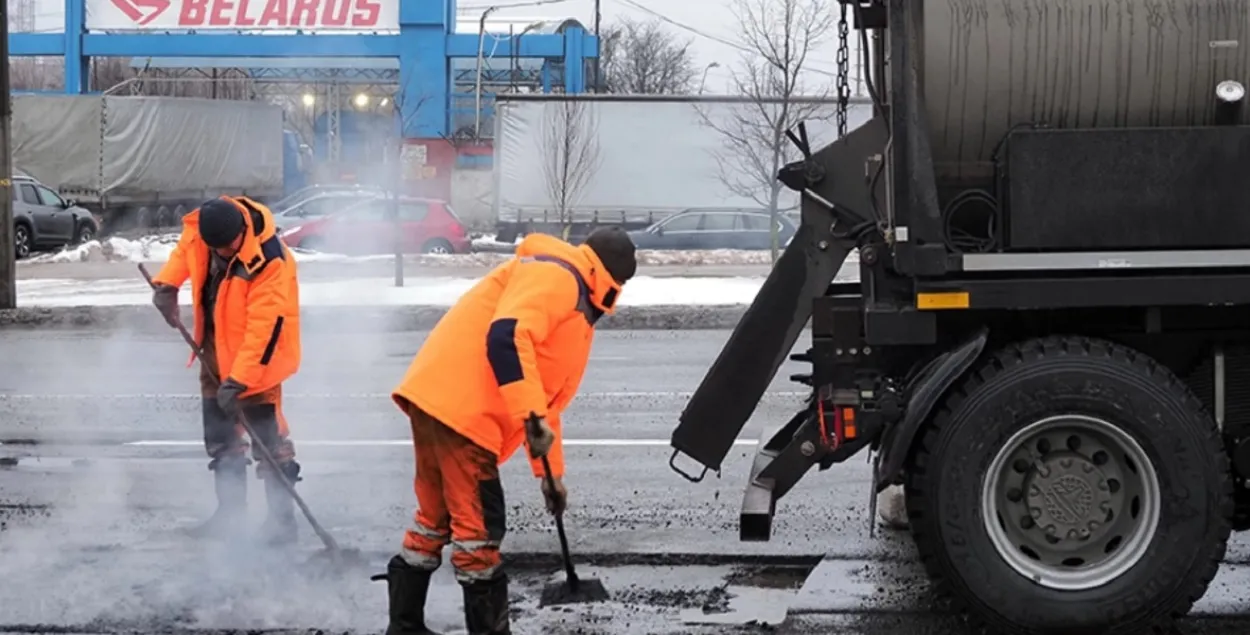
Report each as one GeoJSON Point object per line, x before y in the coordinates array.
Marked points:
{"type": "Point", "coordinates": [737, 380]}
{"type": "Point", "coordinates": [834, 188]}
{"type": "Point", "coordinates": [924, 393]}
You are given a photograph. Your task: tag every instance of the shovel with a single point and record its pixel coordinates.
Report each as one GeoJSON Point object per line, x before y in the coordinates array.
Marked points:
{"type": "Point", "coordinates": [573, 590]}
{"type": "Point", "coordinates": [339, 557]}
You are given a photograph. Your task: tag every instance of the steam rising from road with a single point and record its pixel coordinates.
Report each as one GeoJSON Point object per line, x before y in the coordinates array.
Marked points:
{"type": "Point", "coordinates": [109, 555]}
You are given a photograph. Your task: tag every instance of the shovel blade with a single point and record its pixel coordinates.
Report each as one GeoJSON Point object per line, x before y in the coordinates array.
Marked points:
{"type": "Point", "coordinates": [585, 591]}
{"type": "Point", "coordinates": [335, 563]}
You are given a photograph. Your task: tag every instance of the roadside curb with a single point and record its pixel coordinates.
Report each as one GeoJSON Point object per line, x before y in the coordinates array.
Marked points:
{"type": "Point", "coordinates": [370, 319]}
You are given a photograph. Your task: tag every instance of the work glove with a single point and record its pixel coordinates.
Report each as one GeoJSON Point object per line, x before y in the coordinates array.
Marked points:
{"type": "Point", "coordinates": [539, 436]}
{"type": "Point", "coordinates": [228, 397]}
{"type": "Point", "coordinates": [557, 497]}
{"type": "Point", "coordinates": [165, 297]}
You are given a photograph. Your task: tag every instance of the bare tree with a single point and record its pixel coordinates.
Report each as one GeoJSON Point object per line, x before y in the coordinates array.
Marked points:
{"type": "Point", "coordinates": [36, 73]}
{"type": "Point", "coordinates": [571, 154]}
{"type": "Point", "coordinates": [107, 72]}
{"type": "Point", "coordinates": [116, 76]}
{"type": "Point", "coordinates": [780, 34]}
{"type": "Point", "coordinates": [644, 57]}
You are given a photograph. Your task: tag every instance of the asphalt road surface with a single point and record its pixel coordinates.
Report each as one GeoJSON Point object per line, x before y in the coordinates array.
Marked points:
{"type": "Point", "coordinates": [102, 465]}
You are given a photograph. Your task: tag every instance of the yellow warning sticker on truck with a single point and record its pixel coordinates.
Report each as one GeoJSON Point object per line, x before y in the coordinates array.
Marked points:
{"type": "Point", "coordinates": [942, 300]}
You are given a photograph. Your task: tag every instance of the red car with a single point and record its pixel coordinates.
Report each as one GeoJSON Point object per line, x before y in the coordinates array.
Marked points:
{"type": "Point", "coordinates": [363, 226]}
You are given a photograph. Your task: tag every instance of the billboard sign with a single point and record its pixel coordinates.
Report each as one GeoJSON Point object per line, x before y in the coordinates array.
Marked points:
{"type": "Point", "coordinates": [242, 15]}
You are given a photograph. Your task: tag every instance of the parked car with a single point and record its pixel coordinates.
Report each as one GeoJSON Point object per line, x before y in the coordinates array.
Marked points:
{"type": "Point", "coordinates": [44, 220]}
{"type": "Point", "coordinates": [320, 204]}
{"type": "Point", "coordinates": [714, 229]}
{"type": "Point", "coordinates": [301, 196]}
{"type": "Point", "coordinates": [365, 227]}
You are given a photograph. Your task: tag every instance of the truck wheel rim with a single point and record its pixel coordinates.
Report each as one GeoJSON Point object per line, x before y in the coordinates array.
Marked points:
{"type": "Point", "coordinates": [1071, 502]}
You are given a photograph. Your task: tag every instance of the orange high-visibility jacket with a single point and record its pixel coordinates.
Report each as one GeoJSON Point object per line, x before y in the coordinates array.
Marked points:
{"type": "Point", "coordinates": [256, 317]}
{"type": "Point", "coordinates": [516, 342]}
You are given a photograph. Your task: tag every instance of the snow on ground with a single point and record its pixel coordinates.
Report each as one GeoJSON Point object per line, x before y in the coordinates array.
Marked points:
{"type": "Point", "coordinates": [156, 248]}
{"type": "Point", "coordinates": [429, 291]}
{"type": "Point", "coordinates": [490, 243]}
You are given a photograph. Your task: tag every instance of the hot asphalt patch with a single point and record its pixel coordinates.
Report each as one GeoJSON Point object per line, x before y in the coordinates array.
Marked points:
{"type": "Point", "coordinates": [163, 581]}
{"type": "Point", "coordinates": [229, 590]}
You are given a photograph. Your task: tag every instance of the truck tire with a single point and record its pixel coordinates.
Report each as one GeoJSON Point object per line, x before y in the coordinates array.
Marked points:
{"type": "Point", "coordinates": [1071, 485]}
{"type": "Point", "coordinates": [144, 217]}
{"type": "Point", "coordinates": [165, 217]}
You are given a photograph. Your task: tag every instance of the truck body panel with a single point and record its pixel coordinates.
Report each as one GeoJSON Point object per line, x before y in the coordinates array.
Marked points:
{"type": "Point", "coordinates": [989, 65]}
{"type": "Point", "coordinates": [106, 150]}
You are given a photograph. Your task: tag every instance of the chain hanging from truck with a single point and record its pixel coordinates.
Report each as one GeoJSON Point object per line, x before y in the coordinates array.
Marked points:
{"type": "Point", "coordinates": [844, 63]}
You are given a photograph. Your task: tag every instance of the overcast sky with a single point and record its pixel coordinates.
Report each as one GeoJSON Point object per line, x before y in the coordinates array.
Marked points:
{"type": "Point", "coordinates": [710, 24]}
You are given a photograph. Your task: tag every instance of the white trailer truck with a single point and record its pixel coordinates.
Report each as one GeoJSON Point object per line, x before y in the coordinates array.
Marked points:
{"type": "Point", "coordinates": [145, 161]}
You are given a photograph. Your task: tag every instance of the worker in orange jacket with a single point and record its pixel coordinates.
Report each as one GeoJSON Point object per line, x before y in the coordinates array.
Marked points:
{"type": "Point", "coordinates": [513, 346]}
{"type": "Point", "coordinates": [245, 297]}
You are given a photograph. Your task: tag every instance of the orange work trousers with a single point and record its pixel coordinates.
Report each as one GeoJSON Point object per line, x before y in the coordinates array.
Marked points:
{"type": "Point", "coordinates": [459, 500]}
{"type": "Point", "coordinates": [224, 436]}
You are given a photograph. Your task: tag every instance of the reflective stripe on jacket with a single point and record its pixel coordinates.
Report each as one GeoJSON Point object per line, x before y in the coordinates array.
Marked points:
{"type": "Point", "coordinates": [517, 342]}
{"type": "Point", "coordinates": [256, 314]}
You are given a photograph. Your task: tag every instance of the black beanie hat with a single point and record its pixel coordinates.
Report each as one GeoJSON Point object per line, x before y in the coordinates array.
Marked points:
{"type": "Point", "coordinates": [616, 250]}
{"type": "Point", "coordinates": [220, 223]}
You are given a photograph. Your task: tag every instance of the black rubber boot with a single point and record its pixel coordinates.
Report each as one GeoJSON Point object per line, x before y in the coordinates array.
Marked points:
{"type": "Point", "coordinates": [486, 606]}
{"type": "Point", "coordinates": [407, 587]}
{"type": "Point", "coordinates": [279, 528]}
{"type": "Point", "coordinates": [230, 481]}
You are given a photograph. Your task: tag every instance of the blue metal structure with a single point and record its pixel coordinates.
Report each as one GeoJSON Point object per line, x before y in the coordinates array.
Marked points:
{"type": "Point", "coordinates": [426, 49]}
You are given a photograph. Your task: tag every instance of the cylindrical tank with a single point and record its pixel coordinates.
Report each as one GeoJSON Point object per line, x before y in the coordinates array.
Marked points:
{"type": "Point", "coordinates": [989, 65]}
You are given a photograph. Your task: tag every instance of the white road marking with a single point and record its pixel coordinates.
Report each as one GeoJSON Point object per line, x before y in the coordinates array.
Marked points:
{"type": "Point", "coordinates": [358, 443]}
{"type": "Point", "coordinates": [681, 394]}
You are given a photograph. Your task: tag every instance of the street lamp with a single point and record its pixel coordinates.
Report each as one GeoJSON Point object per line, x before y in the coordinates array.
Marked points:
{"type": "Point", "coordinates": [707, 68]}
{"type": "Point", "coordinates": [477, 89]}
{"type": "Point", "coordinates": [481, 53]}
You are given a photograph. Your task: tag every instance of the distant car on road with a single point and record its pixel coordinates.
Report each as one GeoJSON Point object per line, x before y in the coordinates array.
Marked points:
{"type": "Point", "coordinates": [321, 204]}
{"type": "Point", "coordinates": [302, 196]}
{"type": "Point", "coordinates": [714, 229]}
{"type": "Point", "coordinates": [44, 220]}
{"type": "Point", "coordinates": [364, 227]}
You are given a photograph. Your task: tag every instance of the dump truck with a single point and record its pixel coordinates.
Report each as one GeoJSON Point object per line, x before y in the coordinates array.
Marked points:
{"type": "Point", "coordinates": [1048, 346]}
{"type": "Point", "coordinates": [146, 161]}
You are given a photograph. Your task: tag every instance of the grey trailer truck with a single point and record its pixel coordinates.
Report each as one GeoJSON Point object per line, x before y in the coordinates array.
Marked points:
{"type": "Point", "coordinates": [138, 162]}
{"type": "Point", "coordinates": [1049, 343]}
